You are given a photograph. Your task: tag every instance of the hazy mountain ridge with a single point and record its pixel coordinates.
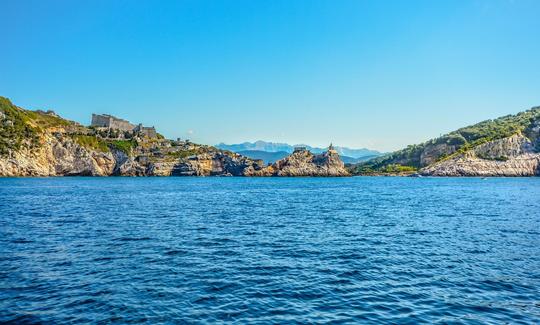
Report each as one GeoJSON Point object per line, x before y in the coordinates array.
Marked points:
{"type": "Point", "coordinates": [271, 157]}
{"type": "Point", "coordinates": [266, 156]}
{"type": "Point", "coordinates": [284, 147]}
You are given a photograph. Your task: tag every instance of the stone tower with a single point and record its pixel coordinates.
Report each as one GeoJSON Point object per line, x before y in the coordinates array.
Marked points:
{"type": "Point", "coordinates": [331, 148]}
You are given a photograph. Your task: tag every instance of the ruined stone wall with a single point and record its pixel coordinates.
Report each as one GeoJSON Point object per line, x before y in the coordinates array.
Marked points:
{"type": "Point", "coordinates": [101, 120]}
{"type": "Point", "coordinates": [149, 132]}
{"type": "Point", "coordinates": [121, 125]}
{"type": "Point", "coordinates": [112, 122]}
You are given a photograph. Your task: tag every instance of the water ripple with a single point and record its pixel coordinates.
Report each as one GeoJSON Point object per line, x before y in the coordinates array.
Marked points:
{"type": "Point", "coordinates": [259, 251]}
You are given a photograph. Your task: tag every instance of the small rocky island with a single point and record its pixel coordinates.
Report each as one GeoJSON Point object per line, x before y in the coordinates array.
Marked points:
{"type": "Point", "coordinates": [41, 143]}
{"type": "Point", "coordinates": [304, 163]}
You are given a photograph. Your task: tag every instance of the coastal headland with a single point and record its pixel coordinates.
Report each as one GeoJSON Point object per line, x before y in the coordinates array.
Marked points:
{"type": "Point", "coordinates": [41, 143]}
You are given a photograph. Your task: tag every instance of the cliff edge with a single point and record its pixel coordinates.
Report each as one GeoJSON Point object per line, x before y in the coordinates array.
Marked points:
{"type": "Point", "coordinates": [506, 146]}
{"type": "Point", "coordinates": [38, 143]}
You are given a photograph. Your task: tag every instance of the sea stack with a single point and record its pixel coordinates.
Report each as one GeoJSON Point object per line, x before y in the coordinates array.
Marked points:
{"type": "Point", "coordinates": [302, 162]}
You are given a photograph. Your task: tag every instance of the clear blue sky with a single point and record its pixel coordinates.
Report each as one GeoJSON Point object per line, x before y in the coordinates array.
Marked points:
{"type": "Point", "coordinates": [377, 74]}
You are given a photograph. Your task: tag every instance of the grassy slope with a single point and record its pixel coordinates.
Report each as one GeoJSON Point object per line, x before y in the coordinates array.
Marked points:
{"type": "Point", "coordinates": [408, 159]}
{"type": "Point", "coordinates": [15, 128]}
{"type": "Point", "coordinates": [22, 128]}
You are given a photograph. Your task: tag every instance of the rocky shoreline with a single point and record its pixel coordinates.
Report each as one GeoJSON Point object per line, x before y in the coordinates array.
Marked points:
{"type": "Point", "coordinates": [511, 157]}
{"type": "Point", "coordinates": [508, 146]}
{"type": "Point", "coordinates": [37, 143]}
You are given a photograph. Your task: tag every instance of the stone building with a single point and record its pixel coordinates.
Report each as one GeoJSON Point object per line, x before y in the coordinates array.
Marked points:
{"type": "Point", "coordinates": [114, 123]}
{"type": "Point", "coordinates": [331, 149]}
{"type": "Point", "coordinates": [148, 131]}
{"type": "Point", "coordinates": [111, 122]}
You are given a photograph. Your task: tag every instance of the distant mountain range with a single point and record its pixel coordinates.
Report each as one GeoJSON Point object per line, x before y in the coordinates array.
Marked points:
{"type": "Point", "coordinates": [271, 151]}
{"type": "Point", "coordinates": [271, 157]}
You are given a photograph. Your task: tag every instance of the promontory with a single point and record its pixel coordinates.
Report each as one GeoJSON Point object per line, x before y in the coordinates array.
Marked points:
{"type": "Point", "coordinates": [41, 143]}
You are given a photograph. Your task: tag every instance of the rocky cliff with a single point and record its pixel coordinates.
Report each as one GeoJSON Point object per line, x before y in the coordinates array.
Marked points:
{"type": "Point", "coordinates": [56, 155]}
{"type": "Point", "coordinates": [507, 146]}
{"type": "Point", "coordinates": [61, 155]}
{"type": "Point", "coordinates": [512, 156]}
{"type": "Point", "coordinates": [304, 163]}
{"type": "Point", "coordinates": [37, 143]}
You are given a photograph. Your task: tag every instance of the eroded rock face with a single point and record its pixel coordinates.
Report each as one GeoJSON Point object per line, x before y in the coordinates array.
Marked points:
{"type": "Point", "coordinates": [513, 156]}
{"type": "Point", "coordinates": [305, 163]}
{"type": "Point", "coordinates": [57, 155]}
{"type": "Point", "coordinates": [206, 164]}
{"type": "Point", "coordinates": [430, 154]}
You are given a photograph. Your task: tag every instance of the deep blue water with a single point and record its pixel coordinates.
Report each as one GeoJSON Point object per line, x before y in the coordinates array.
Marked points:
{"type": "Point", "coordinates": [270, 250]}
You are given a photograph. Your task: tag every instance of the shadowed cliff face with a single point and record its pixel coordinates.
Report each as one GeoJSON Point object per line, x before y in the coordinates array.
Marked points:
{"type": "Point", "coordinates": [207, 164]}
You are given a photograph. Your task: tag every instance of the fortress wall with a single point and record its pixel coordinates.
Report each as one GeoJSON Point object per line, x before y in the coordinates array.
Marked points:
{"type": "Point", "coordinates": [149, 132]}
{"type": "Point", "coordinates": [109, 121]}
{"type": "Point", "coordinates": [100, 120]}
{"type": "Point", "coordinates": [121, 125]}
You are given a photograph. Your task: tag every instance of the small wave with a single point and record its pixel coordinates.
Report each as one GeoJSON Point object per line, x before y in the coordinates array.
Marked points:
{"type": "Point", "coordinates": [133, 238]}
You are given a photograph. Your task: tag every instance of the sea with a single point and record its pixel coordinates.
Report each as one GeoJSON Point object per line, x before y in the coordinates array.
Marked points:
{"type": "Point", "coordinates": [188, 250]}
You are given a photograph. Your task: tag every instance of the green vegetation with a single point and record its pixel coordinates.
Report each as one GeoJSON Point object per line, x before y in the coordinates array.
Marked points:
{"type": "Point", "coordinates": [15, 131]}
{"type": "Point", "coordinates": [454, 143]}
{"type": "Point", "coordinates": [126, 146]}
{"type": "Point", "coordinates": [91, 142]}
{"type": "Point", "coordinates": [183, 153]}
{"type": "Point", "coordinates": [499, 158]}
{"type": "Point", "coordinates": [391, 169]}
{"type": "Point", "coordinates": [19, 127]}
{"type": "Point", "coordinates": [398, 169]}
{"type": "Point", "coordinates": [44, 121]}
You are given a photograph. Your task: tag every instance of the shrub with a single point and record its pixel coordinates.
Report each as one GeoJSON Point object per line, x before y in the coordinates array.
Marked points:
{"type": "Point", "coordinates": [45, 121]}
{"type": "Point", "coordinates": [91, 142]}
{"type": "Point", "coordinates": [183, 153]}
{"type": "Point", "coordinates": [126, 146]}
{"type": "Point", "coordinates": [463, 139]}
{"type": "Point", "coordinates": [15, 131]}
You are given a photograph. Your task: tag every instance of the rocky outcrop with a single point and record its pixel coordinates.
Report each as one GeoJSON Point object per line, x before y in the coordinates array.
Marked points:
{"type": "Point", "coordinates": [57, 155]}
{"type": "Point", "coordinates": [430, 154]}
{"type": "Point", "coordinates": [60, 155]}
{"type": "Point", "coordinates": [505, 146]}
{"type": "Point", "coordinates": [37, 143]}
{"type": "Point", "coordinates": [127, 165]}
{"type": "Point", "coordinates": [207, 164]}
{"type": "Point", "coordinates": [304, 163]}
{"type": "Point", "coordinates": [512, 156]}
